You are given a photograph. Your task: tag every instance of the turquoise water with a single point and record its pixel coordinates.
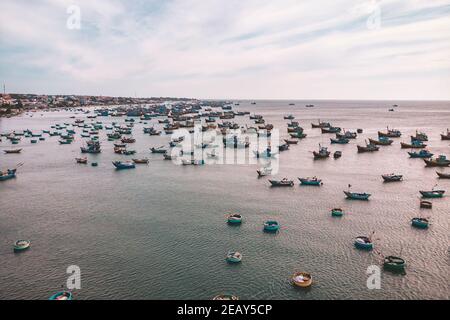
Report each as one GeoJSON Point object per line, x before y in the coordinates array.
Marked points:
{"type": "Point", "coordinates": [160, 232]}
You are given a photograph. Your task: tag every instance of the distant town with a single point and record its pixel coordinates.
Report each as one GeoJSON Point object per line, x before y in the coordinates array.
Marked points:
{"type": "Point", "coordinates": [14, 103]}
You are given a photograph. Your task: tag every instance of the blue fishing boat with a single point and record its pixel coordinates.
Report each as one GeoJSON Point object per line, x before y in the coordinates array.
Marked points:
{"type": "Point", "coordinates": [8, 174]}
{"type": "Point", "coordinates": [234, 257]}
{"type": "Point", "coordinates": [62, 295]}
{"type": "Point", "coordinates": [271, 226]}
{"type": "Point", "coordinates": [363, 243]}
{"type": "Point", "coordinates": [394, 264]}
{"type": "Point", "coordinates": [341, 140]}
{"type": "Point", "coordinates": [420, 223]}
{"type": "Point", "coordinates": [234, 218]}
{"type": "Point", "coordinates": [432, 193]}
{"type": "Point", "coordinates": [314, 181]}
{"type": "Point", "coordinates": [421, 154]}
{"type": "Point", "coordinates": [357, 196]}
{"type": "Point", "coordinates": [123, 165]}
{"type": "Point", "coordinates": [337, 212]}
{"type": "Point", "coordinates": [21, 245]}
{"type": "Point", "coordinates": [281, 183]}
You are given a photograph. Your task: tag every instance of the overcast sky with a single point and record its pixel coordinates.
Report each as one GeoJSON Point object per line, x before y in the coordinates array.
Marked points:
{"type": "Point", "coordinates": [255, 49]}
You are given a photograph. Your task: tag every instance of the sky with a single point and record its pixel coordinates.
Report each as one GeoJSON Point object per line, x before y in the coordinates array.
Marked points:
{"type": "Point", "coordinates": [233, 49]}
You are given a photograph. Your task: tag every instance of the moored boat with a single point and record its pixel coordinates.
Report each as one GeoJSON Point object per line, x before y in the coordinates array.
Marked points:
{"type": "Point", "coordinates": [369, 147]}
{"type": "Point", "coordinates": [432, 193]}
{"type": "Point", "coordinates": [357, 196]}
{"type": "Point", "coordinates": [81, 160]}
{"type": "Point", "coordinates": [141, 161]}
{"type": "Point", "coordinates": [62, 295]}
{"type": "Point", "coordinates": [158, 150]}
{"type": "Point", "coordinates": [424, 204]}
{"type": "Point", "coordinates": [123, 165]}
{"type": "Point", "coordinates": [440, 161]}
{"type": "Point", "coordinates": [302, 279]}
{"type": "Point", "coordinates": [445, 136]}
{"type": "Point", "coordinates": [8, 174]}
{"type": "Point", "coordinates": [420, 223]}
{"type": "Point", "coordinates": [339, 140]}
{"type": "Point", "coordinates": [423, 154]}
{"type": "Point", "coordinates": [271, 226]}
{"type": "Point", "coordinates": [234, 257]}
{"type": "Point", "coordinates": [337, 212]}
{"type": "Point", "coordinates": [415, 144]}
{"type": "Point", "coordinates": [392, 177]}
{"type": "Point", "coordinates": [337, 154]}
{"type": "Point", "coordinates": [391, 133]}
{"type": "Point", "coordinates": [225, 297]}
{"type": "Point", "coordinates": [382, 141]}
{"type": "Point", "coordinates": [394, 264]}
{"type": "Point", "coordinates": [234, 218]}
{"type": "Point", "coordinates": [443, 175]}
{"type": "Point", "coordinates": [265, 171]}
{"type": "Point", "coordinates": [363, 243]}
{"type": "Point", "coordinates": [282, 183]}
{"type": "Point", "coordinates": [12, 151]}
{"type": "Point", "coordinates": [314, 181]}
{"type": "Point", "coordinates": [21, 245]}
{"type": "Point", "coordinates": [322, 153]}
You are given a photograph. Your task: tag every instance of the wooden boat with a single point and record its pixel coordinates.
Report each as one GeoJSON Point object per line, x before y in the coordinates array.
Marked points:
{"type": "Point", "coordinates": [298, 135]}
{"type": "Point", "coordinates": [331, 130]}
{"type": "Point", "coordinates": [416, 144]}
{"type": "Point", "coordinates": [290, 141]}
{"type": "Point", "coordinates": [271, 226]}
{"type": "Point", "coordinates": [420, 223]}
{"type": "Point", "coordinates": [81, 160]}
{"type": "Point", "coordinates": [21, 245]}
{"type": "Point", "coordinates": [363, 243]}
{"type": "Point", "coordinates": [234, 218]}
{"type": "Point", "coordinates": [266, 171]}
{"type": "Point", "coordinates": [368, 148]}
{"type": "Point", "coordinates": [322, 153]}
{"type": "Point", "coordinates": [432, 193]}
{"type": "Point", "coordinates": [141, 161]}
{"type": "Point", "coordinates": [314, 181]}
{"type": "Point", "coordinates": [426, 204]}
{"type": "Point", "coordinates": [283, 147]}
{"type": "Point", "coordinates": [226, 297]}
{"type": "Point", "coordinates": [12, 151]}
{"type": "Point", "coordinates": [445, 136]}
{"type": "Point", "coordinates": [382, 141]}
{"type": "Point", "coordinates": [234, 257]}
{"type": "Point", "coordinates": [8, 174]}
{"type": "Point", "coordinates": [302, 279]}
{"type": "Point", "coordinates": [337, 212]}
{"type": "Point", "coordinates": [420, 136]}
{"type": "Point", "coordinates": [440, 161]}
{"type": "Point", "coordinates": [423, 154]}
{"type": "Point", "coordinates": [62, 295]}
{"type": "Point", "coordinates": [357, 196]}
{"type": "Point", "coordinates": [321, 125]}
{"type": "Point", "coordinates": [347, 135]}
{"type": "Point", "coordinates": [339, 141]}
{"type": "Point", "coordinates": [128, 140]}
{"type": "Point", "coordinates": [337, 154]}
{"type": "Point", "coordinates": [123, 165]}
{"type": "Point", "coordinates": [391, 133]}
{"type": "Point", "coordinates": [282, 183]}
{"type": "Point", "coordinates": [443, 175]}
{"type": "Point", "coordinates": [158, 150]}
{"type": "Point", "coordinates": [289, 117]}
{"type": "Point", "coordinates": [394, 264]}
{"type": "Point", "coordinates": [392, 177]}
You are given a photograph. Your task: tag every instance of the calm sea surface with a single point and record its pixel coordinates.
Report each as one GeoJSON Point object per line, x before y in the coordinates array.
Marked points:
{"type": "Point", "coordinates": [159, 231]}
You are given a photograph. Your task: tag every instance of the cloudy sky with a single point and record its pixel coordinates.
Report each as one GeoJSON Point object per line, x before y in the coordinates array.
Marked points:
{"type": "Point", "coordinates": [255, 49]}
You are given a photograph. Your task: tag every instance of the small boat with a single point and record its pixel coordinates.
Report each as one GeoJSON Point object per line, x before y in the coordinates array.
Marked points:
{"type": "Point", "coordinates": [363, 243]}
{"type": "Point", "coordinates": [382, 141]}
{"type": "Point", "coordinates": [81, 160]}
{"type": "Point", "coordinates": [420, 136]}
{"type": "Point", "coordinates": [94, 164]}
{"type": "Point", "coordinates": [282, 183]}
{"type": "Point", "coordinates": [62, 295]}
{"type": "Point", "coordinates": [359, 130]}
{"type": "Point", "coordinates": [432, 193]}
{"type": "Point", "coordinates": [289, 117]}
{"type": "Point", "coordinates": [357, 196]}
{"type": "Point", "coordinates": [331, 130]}
{"type": "Point", "coordinates": [8, 174]}
{"type": "Point", "coordinates": [271, 226]}
{"type": "Point", "coordinates": [394, 264]}
{"type": "Point", "coordinates": [290, 141]}
{"type": "Point", "coordinates": [391, 133]}
{"type": "Point", "coordinates": [370, 147]}
{"type": "Point", "coordinates": [234, 218]}
{"type": "Point", "coordinates": [339, 141]}
{"type": "Point", "coordinates": [347, 135]}
{"type": "Point", "coordinates": [128, 140]}
{"type": "Point", "coordinates": [321, 125]}
{"type": "Point", "coordinates": [392, 177]}
{"type": "Point", "coordinates": [322, 153]}
{"type": "Point", "coordinates": [443, 175]}
{"type": "Point", "coordinates": [21, 245]}
{"type": "Point", "coordinates": [12, 151]}
{"type": "Point", "coordinates": [302, 279]}
{"type": "Point", "coordinates": [424, 204]}
{"type": "Point", "coordinates": [445, 136]}
{"type": "Point", "coordinates": [283, 147]}
{"type": "Point", "coordinates": [226, 297]}
{"type": "Point", "coordinates": [158, 150]}
{"type": "Point", "coordinates": [314, 181]}
{"type": "Point", "coordinates": [416, 144]}
{"type": "Point", "coordinates": [265, 171]}
{"type": "Point", "coordinates": [424, 154]}
{"type": "Point", "coordinates": [337, 212]}
{"type": "Point", "coordinates": [420, 223]}
{"type": "Point", "coordinates": [440, 161]}
{"type": "Point", "coordinates": [234, 257]}
{"type": "Point", "coordinates": [123, 165]}
{"type": "Point", "coordinates": [298, 135]}
{"type": "Point", "coordinates": [141, 161]}
{"type": "Point", "coordinates": [337, 154]}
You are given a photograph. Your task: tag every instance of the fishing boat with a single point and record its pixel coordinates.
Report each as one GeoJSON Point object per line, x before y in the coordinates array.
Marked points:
{"type": "Point", "coordinates": [440, 161]}
{"type": "Point", "coordinates": [382, 141]}
{"type": "Point", "coordinates": [298, 135]}
{"type": "Point", "coordinates": [420, 136]}
{"type": "Point", "coordinates": [391, 133]}
{"type": "Point", "coordinates": [322, 153]}
{"type": "Point", "coordinates": [321, 125]}
{"type": "Point", "coordinates": [420, 223]}
{"type": "Point", "coordinates": [271, 226]}
{"type": "Point", "coordinates": [141, 161]}
{"type": "Point", "coordinates": [369, 147]}
{"type": "Point", "coordinates": [93, 146]}
{"type": "Point", "coordinates": [392, 177]}
{"type": "Point", "coordinates": [265, 171]}
{"type": "Point", "coordinates": [81, 160]}
{"type": "Point", "coordinates": [356, 195]}
{"type": "Point", "coordinates": [337, 212]}
{"type": "Point", "coordinates": [347, 135]}
{"type": "Point", "coordinates": [423, 154]}
{"type": "Point", "coordinates": [331, 130]}
{"type": "Point", "coordinates": [21, 245]}
{"type": "Point", "coordinates": [289, 117]}
{"type": "Point", "coordinates": [432, 193]}
{"type": "Point", "coordinates": [424, 204]}
{"type": "Point", "coordinates": [225, 297]}
{"type": "Point", "coordinates": [337, 154]}
{"type": "Point", "coordinates": [415, 144]}
{"type": "Point", "coordinates": [290, 141]}
{"type": "Point", "coordinates": [283, 147]}
{"type": "Point", "coordinates": [281, 183]}
{"type": "Point", "coordinates": [443, 175]}
{"type": "Point", "coordinates": [123, 165]}
{"type": "Point", "coordinates": [445, 136]}
{"type": "Point", "coordinates": [12, 151]}
{"type": "Point", "coordinates": [314, 181]}
{"type": "Point", "coordinates": [128, 140]}
{"type": "Point", "coordinates": [234, 257]}
{"type": "Point", "coordinates": [339, 140]}
{"type": "Point", "coordinates": [363, 243]}
{"type": "Point", "coordinates": [234, 218]}
{"type": "Point", "coordinates": [302, 279]}
{"type": "Point", "coordinates": [62, 295]}
{"type": "Point", "coordinates": [8, 174]}
{"type": "Point", "coordinates": [394, 264]}
{"type": "Point", "coordinates": [158, 150]}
